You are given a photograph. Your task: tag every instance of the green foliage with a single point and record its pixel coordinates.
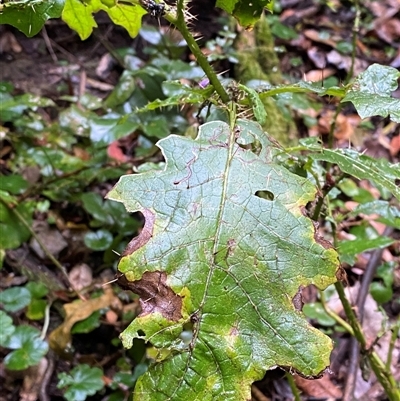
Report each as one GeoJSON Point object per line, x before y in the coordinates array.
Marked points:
{"type": "Point", "coordinates": [371, 92]}
{"type": "Point", "coordinates": [379, 171]}
{"type": "Point", "coordinates": [87, 325]}
{"type": "Point", "coordinates": [315, 311]}
{"type": "Point", "coordinates": [389, 214]}
{"type": "Point", "coordinates": [360, 245]}
{"type": "Point", "coordinates": [99, 240]}
{"type": "Point", "coordinates": [14, 231]}
{"type": "Point", "coordinates": [7, 328]}
{"type": "Point", "coordinates": [382, 289]}
{"type": "Point", "coordinates": [247, 13]}
{"type": "Point", "coordinates": [15, 298]}
{"type": "Point", "coordinates": [28, 348]}
{"type": "Point", "coordinates": [81, 382]}
{"type": "Point", "coordinates": [29, 15]}
{"type": "Point", "coordinates": [209, 246]}
{"type": "Point", "coordinates": [37, 306]}
{"type": "Point", "coordinates": [79, 15]}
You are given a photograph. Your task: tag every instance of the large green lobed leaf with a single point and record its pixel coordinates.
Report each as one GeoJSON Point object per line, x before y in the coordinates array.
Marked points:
{"type": "Point", "coordinates": [219, 264]}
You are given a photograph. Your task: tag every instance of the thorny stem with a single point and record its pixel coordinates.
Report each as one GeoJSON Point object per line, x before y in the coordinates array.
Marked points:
{"type": "Point", "coordinates": [320, 202]}
{"type": "Point", "coordinates": [332, 127]}
{"type": "Point", "coordinates": [179, 21]}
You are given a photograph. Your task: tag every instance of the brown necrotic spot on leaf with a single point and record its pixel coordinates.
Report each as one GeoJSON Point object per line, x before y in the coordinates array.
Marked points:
{"type": "Point", "coordinates": [341, 275]}
{"type": "Point", "coordinates": [155, 295]}
{"type": "Point", "coordinates": [318, 238]}
{"type": "Point", "coordinates": [297, 300]}
{"type": "Point", "coordinates": [145, 234]}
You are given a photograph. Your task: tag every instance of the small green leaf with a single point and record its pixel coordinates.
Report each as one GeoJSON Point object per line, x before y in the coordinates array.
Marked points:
{"type": "Point", "coordinates": [87, 325]}
{"type": "Point", "coordinates": [122, 91]}
{"type": "Point", "coordinates": [315, 311]}
{"type": "Point", "coordinates": [389, 213]}
{"type": "Point", "coordinates": [258, 107]}
{"type": "Point", "coordinates": [94, 204]}
{"type": "Point", "coordinates": [29, 348]}
{"type": "Point", "coordinates": [371, 92]}
{"type": "Point", "coordinates": [29, 16]}
{"type": "Point", "coordinates": [78, 16]}
{"type": "Point", "coordinates": [179, 94]}
{"type": "Point", "coordinates": [12, 107]}
{"type": "Point", "coordinates": [99, 240]}
{"type": "Point", "coordinates": [246, 12]}
{"type": "Point", "coordinates": [155, 126]}
{"type": "Point", "coordinates": [106, 129]}
{"type": "Point", "coordinates": [14, 184]}
{"type": "Point", "coordinates": [36, 309]}
{"type": "Point", "coordinates": [380, 292]}
{"type": "Point", "coordinates": [7, 328]}
{"type": "Point", "coordinates": [363, 244]}
{"type": "Point", "coordinates": [37, 289]}
{"type": "Point", "coordinates": [386, 273]}
{"type": "Point", "coordinates": [283, 31]}
{"type": "Point", "coordinates": [127, 15]}
{"type": "Point", "coordinates": [15, 298]}
{"type": "Point", "coordinates": [81, 382]}
{"type": "Point", "coordinates": [361, 166]}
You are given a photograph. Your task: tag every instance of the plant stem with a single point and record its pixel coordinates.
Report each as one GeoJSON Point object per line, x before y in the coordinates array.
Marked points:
{"type": "Point", "coordinates": [293, 386]}
{"type": "Point", "coordinates": [356, 28]}
{"type": "Point", "coordinates": [335, 316]}
{"type": "Point", "coordinates": [179, 21]}
{"type": "Point", "coordinates": [46, 321]}
{"type": "Point", "coordinates": [383, 375]}
{"type": "Point", "coordinates": [395, 332]}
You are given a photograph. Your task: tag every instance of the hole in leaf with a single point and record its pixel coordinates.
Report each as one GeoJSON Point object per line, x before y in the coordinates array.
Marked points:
{"type": "Point", "coordinates": [141, 333]}
{"type": "Point", "coordinates": [267, 195]}
{"type": "Point", "coordinates": [254, 147]}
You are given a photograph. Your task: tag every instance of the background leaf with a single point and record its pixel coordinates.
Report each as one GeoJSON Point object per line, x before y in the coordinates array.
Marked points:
{"type": "Point", "coordinates": [29, 16]}
{"type": "Point", "coordinates": [361, 245]}
{"type": "Point", "coordinates": [216, 256]}
{"type": "Point", "coordinates": [98, 240]}
{"type": "Point", "coordinates": [29, 348]}
{"type": "Point", "coordinates": [81, 382]}
{"type": "Point", "coordinates": [7, 328]}
{"type": "Point", "coordinates": [371, 92]}
{"type": "Point", "coordinates": [246, 12]}
{"type": "Point", "coordinates": [380, 171]}
{"type": "Point", "coordinates": [79, 16]}
{"type": "Point", "coordinates": [15, 298]}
